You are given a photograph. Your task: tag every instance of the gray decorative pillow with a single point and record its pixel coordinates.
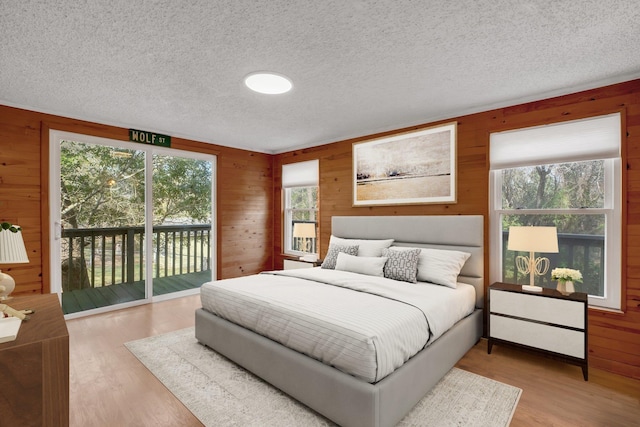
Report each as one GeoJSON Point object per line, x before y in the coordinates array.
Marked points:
{"type": "Point", "coordinates": [401, 264]}
{"type": "Point", "coordinates": [332, 254]}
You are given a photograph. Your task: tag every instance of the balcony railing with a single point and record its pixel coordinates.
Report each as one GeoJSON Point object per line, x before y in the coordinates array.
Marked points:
{"type": "Point", "coordinates": [97, 257]}
{"type": "Point", "coordinates": [578, 251]}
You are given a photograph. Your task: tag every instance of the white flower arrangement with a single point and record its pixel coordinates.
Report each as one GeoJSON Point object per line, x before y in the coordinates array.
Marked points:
{"type": "Point", "coordinates": [566, 274]}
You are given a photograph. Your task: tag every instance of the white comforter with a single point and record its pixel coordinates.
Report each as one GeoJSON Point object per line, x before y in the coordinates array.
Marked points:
{"type": "Point", "coordinates": [363, 325]}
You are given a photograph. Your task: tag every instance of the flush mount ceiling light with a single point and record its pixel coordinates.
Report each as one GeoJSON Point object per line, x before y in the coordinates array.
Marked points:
{"type": "Point", "coordinates": [267, 82]}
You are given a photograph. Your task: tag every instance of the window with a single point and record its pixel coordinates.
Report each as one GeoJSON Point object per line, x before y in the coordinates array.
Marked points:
{"type": "Point", "coordinates": [300, 185]}
{"type": "Point", "coordinates": [566, 175]}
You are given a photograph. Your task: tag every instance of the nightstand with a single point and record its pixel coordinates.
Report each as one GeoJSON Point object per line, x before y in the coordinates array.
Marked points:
{"type": "Point", "coordinates": [546, 322]}
{"type": "Point", "coordinates": [291, 264]}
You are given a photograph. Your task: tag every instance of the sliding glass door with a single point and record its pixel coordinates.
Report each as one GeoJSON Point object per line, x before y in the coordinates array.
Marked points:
{"type": "Point", "coordinates": [130, 223]}
{"type": "Point", "coordinates": [181, 223]}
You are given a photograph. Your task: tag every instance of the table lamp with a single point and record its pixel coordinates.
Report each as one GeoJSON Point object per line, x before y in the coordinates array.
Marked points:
{"type": "Point", "coordinates": [306, 231]}
{"type": "Point", "coordinates": [12, 251]}
{"type": "Point", "coordinates": [532, 239]}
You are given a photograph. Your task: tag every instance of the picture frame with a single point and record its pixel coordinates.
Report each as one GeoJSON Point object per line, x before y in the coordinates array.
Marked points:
{"type": "Point", "coordinates": [410, 168]}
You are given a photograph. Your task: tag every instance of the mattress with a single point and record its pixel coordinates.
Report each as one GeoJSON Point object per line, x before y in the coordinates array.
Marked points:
{"type": "Point", "coordinates": [363, 325]}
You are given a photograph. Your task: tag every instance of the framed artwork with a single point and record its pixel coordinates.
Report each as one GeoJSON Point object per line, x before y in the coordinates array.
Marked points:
{"type": "Point", "coordinates": [410, 168]}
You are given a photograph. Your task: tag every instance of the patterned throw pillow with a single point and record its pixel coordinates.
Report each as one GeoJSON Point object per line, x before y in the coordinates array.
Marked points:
{"type": "Point", "coordinates": [401, 264]}
{"type": "Point", "coordinates": [332, 254]}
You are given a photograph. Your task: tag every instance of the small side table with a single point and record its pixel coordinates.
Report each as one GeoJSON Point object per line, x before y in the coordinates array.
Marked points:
{"type": "Point", "coordinates": [34, 368]}
{"type": "Point", "coordinates": [546, 322]}
{"type": "Point", "coordinates": [290, 264]}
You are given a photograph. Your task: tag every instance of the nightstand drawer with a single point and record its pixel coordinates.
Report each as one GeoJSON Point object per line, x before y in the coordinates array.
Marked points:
{"type": "Point", "coordinates": [292, 264]}
{"type": "Point", "coordinates": [535, 307]}
{"type": "Point", "coordinates": [546, 337]}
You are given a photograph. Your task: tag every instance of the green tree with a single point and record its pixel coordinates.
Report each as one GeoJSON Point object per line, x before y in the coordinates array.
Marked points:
{"type": "Point", "coordinates": [105, 187]}
{"type": "Point", "coordinates": [304, 203]}
{"type": "Point", "coordinates": [101, 186]}
{"type": "Point", "coordinates": [181, 189]}
{"type": "Point", "coordinates": [559, 186]}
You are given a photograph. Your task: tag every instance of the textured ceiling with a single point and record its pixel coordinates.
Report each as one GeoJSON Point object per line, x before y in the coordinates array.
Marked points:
{"type": "Point", "coordinates": [358, 67]}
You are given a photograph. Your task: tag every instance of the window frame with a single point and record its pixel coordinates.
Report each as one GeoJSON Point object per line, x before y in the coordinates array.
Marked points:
{"type": "Point", "coordinates": [288, 221]}
{"type": "Point", "coordinates": [612, 210]}
{"type": "Point", "coordinates": [304, 174]}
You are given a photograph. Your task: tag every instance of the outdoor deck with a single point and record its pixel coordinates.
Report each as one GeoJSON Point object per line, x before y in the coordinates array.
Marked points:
{"type": "Point", "coordinates": [87, 299]}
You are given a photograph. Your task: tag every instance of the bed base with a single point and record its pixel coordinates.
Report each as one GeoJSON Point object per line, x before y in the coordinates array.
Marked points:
{"type": "Point", "coordinates": [340, 397]}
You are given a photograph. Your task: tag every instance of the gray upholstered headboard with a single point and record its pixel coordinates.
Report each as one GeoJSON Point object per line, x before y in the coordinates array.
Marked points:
{"type": "Point", "coordinates": [455, 232]}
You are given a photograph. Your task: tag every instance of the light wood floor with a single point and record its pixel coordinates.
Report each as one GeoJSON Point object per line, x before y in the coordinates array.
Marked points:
{"type": "Point", "coordinates": [109, 387]}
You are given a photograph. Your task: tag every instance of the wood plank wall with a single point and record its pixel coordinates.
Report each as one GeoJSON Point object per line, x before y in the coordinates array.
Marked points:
{"type": "Point", "coordinates": [244, 186]}
{"type": "Point", "coordinates": [614, 338]}
{"type": "Point", "coordinates": [250, 204]}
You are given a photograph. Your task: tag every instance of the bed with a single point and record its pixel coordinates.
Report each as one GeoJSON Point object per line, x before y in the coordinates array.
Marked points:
{"type": "Point", "coordinates": [348, 399]}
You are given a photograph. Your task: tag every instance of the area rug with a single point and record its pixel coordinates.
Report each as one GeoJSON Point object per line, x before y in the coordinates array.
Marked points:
{"type": "Point", "coordinates": [220, 393]}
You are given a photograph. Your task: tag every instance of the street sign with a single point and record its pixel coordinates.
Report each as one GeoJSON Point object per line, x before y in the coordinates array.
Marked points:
{"type": "Point", "coordinates": [151, 138]}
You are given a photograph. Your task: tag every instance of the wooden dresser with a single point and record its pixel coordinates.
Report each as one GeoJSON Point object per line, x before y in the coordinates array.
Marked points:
{"type": "Point", "coordinates": [34, 368]}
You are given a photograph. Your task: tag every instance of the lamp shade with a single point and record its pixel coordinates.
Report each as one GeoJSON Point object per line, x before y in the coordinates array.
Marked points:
{"type": "Point", "coordinates": [304, 229]}
{"type": "Point", "coordinates": [533, 239]}
{"type": "Point", "coordinates": [12, 249]}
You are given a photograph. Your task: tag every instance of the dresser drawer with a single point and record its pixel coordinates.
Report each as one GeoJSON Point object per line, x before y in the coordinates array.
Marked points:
{"type": "Point", "coordinates": [538, 308]}
{"type": "Point", "coordinates": [545, 337]}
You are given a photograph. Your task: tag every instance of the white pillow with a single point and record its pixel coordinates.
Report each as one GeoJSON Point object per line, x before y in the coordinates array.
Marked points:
{"type": "Point", "coordinates": [439, 266]}
{"type": "Point", "coordinates": [371, 266]}
{"type": "Point", "coordinates": [370, 248]}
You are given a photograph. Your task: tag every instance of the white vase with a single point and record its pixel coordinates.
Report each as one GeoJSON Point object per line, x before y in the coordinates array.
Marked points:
{"type": "Point", "coordinates": [566, 286]}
